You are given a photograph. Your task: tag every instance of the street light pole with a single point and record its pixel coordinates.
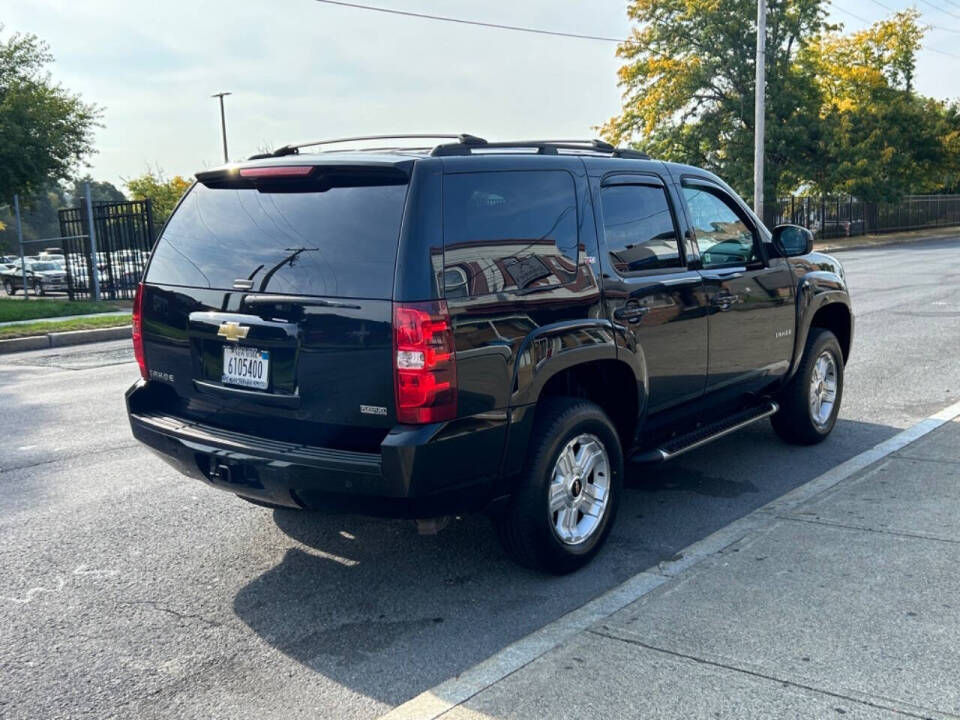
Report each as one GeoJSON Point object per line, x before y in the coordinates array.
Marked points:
{"type": "Point", "coordinates": [223, 123]}
{"type": "Point", "coordinates": [759, 116]}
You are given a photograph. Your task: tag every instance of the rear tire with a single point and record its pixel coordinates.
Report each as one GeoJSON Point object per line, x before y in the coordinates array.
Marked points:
{"type": "Point", "coordinates": [810, 402]}
{"type": "Point", "coordinates": [8, 286]}
{"type": "Point", "coordinates": [567, 495]}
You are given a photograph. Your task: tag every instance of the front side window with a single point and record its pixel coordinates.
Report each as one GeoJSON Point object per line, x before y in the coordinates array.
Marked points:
{"type": "Point", "coordinates": [723, 236]}
{"type": "Point", "coordinates": [638, 228]}
{"type": "Point", "coordinates": [508, 231]}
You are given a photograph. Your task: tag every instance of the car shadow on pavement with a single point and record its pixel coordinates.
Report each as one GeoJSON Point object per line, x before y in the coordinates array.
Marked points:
{"type": "Point", "coordinates": [376, 608]}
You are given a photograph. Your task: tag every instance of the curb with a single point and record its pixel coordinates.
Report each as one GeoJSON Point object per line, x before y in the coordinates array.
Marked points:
{"type": "Point", "coordinates": [63, 339]}
{"type": "Point", "coordinates": [435, 702]}
{"type": "Point", "coordinates": [879, 241]}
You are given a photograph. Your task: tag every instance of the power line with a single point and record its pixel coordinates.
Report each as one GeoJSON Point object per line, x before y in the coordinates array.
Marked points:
{"type": "Point", "coordinates": [940, 9]}
{"type": "Point", "coordinates": [884, 6]}
{"type": "Point", "coordinates": [538, 31]}
{"type": "Point", "coordinates": [929, 26]}
{"type": "Point", "coordinates": [943, 52]}
{"type": "Point", "coordinates": [853, 15]}
{"type": "Point", "coordinates": [935, 27]}
{"type": "Point", "coordinates": [461, 21]}
{"type": "Point", "coordinates": [942, 29]}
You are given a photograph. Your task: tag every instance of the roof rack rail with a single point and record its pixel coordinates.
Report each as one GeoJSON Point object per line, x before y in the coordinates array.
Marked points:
{"type": "Point", "coordinates": [543, 147]}
{"type": "Point", "coordinates": [464, 139]}
{"type": "Point", "coordinates": [465, 144]}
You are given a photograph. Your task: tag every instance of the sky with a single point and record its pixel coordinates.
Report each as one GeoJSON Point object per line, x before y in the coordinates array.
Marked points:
{"type": "Point", "coordinates": [300, 70]}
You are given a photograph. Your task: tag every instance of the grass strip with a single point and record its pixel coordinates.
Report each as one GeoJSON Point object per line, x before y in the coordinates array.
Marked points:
{"type": "Point", "coordinates": [42, 328]}
{"type": "Point", "coordinates": [16, 308]}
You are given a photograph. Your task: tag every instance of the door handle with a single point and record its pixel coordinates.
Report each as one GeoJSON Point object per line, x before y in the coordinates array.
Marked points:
{"type": "Point", "coordinates": [631, 313]}
{"type": "Point", "coordinates": [725, 299]}
{"type": "Point", "coordinates": [733, 274]}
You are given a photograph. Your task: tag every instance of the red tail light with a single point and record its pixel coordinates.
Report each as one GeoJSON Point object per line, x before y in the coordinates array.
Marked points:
{"type": "Point", "coordinates": [138, 331]}
{"type": "Point", "coordinates": [425, 369]}
{"type": "Point", "coordinates": [284, 171]}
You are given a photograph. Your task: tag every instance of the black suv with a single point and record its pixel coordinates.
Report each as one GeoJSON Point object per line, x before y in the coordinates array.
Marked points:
{"type": "Point", "coordinates": [423, 332]}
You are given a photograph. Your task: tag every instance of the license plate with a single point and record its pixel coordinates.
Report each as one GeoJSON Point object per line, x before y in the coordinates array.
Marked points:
{"type": "Point", "coordinates": [246, 366]}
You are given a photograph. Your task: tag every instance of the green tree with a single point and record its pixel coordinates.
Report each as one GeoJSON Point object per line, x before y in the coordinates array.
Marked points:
{"type": "Point", "coordinates": [100, 191]}
{"type": "Point", "coordinates": [878, 139]}
{"type": "Point", "coordinates": [38, 212]}
{"type": "Point", "coordinates": [688, 86]}
{"type": "Point", "coordinates": [45, 130]}
{"type": "Point", "coordinates": [951, 142]}
{"type": "Point", "coordinates": [842, 112]}
{"type": "Point", "coordinates": [164, 193]}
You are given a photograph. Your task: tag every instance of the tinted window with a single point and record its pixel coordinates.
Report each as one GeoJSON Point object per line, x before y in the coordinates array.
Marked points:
{"type": "Point", "coordinates": [508, 231]}
{"type": "Point", "coordinates": [339, 242]}
{"type": "Point", "coordinates": [723, 236]}
{"type": "Point", "coordinates": [638, 228]}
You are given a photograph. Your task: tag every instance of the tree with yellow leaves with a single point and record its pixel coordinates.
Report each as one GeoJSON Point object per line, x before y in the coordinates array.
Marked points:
{"type": "Point", "coordinates": [164, 193]}
{"type": "Point", "coordinates": [688, 85]}
{"type": "Point", "coordinates": [842, 112]}
{"type": "Point", "coordinates": [878, 139]}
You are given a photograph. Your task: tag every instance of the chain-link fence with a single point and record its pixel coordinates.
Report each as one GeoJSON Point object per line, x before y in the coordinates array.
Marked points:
{"type": "Point", "coordinates": [838, 216]}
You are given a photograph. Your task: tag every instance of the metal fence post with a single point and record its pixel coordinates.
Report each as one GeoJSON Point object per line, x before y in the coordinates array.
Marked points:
{"type": "Point", "coordinates": [94, 280]}
{"type": "Point", "coordinates": [23, 263]}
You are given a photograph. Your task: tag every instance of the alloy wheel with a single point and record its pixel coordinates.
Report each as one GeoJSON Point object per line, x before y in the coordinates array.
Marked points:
{"type": "Point", "coordinates": [823, 388]}
{"type": "Point", "coordinates": [579, 489]}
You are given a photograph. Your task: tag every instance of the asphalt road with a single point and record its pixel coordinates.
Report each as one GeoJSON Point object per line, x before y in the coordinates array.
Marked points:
{"type": "Point", "coordinates": [127, 590]}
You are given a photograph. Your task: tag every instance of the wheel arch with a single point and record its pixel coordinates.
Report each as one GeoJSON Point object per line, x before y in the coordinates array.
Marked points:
{"type": "Point", "coordinates": [601, 381]}
{"type": "Point", "coordinates": [830, 311]}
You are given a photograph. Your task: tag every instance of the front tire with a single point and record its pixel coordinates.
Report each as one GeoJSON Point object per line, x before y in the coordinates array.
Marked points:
{"type": "Point", "coordinates": [8, 286]}
{"type": "Point", "coordinates": [810, 402]}
{"type": "Point", "coordinates": [567, 496]}
{"type": "Point", "coordinates": [38, 288]}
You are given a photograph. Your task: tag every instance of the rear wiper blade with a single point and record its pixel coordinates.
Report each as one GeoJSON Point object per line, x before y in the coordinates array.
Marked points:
{"type": "Point", "coordinates": [296, 300]}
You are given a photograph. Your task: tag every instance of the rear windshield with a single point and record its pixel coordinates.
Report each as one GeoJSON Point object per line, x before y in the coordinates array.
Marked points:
{"type": "Point", "coordinates": [339, 242]}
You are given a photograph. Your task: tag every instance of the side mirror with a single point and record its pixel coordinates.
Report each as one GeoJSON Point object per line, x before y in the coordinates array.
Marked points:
{"type": "Point", "coordinates": [792, 240]}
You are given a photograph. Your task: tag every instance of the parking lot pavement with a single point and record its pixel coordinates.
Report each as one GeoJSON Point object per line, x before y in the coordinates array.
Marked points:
{"type": "Point", "coordinates": [127, 590]}
{"type": "Point", "coordinates": [845, 605]}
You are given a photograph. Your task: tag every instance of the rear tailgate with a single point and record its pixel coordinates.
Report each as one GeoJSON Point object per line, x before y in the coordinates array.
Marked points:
{"type": "Point", "coordinates": [267, 304]}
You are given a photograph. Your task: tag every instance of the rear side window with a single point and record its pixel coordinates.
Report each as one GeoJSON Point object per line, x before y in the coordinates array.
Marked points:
{"type": "Point", "coordinates": [638, 228]}
{"type": "Point", "coordinates": [339, 242]}
{"type": "Point", "coordinates": [514, 231]}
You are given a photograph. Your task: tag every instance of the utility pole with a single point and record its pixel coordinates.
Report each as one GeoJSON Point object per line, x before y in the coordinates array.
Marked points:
{"type": "Point", "coordinates": [223, 123]}
{"type": "Point", "coordinates": [23, 263]}
{"type": "Point", "coordinates": [94, 283]}
{"type": "Point", "coordinates": [759, 117]}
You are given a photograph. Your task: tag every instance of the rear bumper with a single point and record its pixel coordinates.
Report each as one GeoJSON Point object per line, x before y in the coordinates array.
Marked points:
{"type": "Point", "coordinates": [421, 471]}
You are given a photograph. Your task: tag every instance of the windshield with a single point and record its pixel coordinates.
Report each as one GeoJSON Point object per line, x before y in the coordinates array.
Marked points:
{"type": "Point", "coordinates": [339, 242]}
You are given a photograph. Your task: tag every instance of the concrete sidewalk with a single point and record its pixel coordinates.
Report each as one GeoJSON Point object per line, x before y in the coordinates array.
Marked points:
{"type": "Point", "coordinates": [845, 605]}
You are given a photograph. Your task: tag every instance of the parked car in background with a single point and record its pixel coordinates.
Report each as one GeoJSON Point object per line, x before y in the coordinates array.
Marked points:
{"type": "Point", "coordinates": [79, 276]}
{"type": "Point", "coordinates": [41, 277]}
{"type": "Point", "coordinates": [58, 258]}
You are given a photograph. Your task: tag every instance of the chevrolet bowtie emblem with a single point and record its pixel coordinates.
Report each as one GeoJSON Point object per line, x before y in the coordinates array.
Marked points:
{"type": "Point", "coordinates": [233, 331]}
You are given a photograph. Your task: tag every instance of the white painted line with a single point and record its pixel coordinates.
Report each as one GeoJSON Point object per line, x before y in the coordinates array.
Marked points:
{"type": "Point", "coordinates": [433, 703]}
